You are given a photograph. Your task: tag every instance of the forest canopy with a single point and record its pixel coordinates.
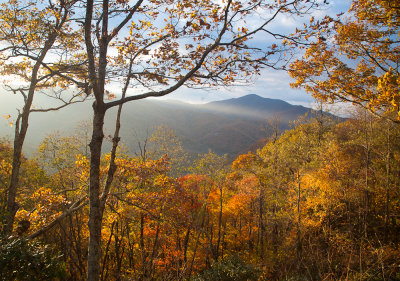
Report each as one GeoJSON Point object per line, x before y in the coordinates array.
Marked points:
{"type": "Point", "coordinates": [317, 202]}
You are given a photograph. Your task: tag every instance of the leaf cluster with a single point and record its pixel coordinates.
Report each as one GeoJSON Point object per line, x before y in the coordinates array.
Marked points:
{"type": "Point", "coordinates": [28, 261]}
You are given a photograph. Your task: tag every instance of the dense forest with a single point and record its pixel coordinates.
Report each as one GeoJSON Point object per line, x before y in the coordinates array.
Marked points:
{"type": "Point", "coordinates": [319, 201]}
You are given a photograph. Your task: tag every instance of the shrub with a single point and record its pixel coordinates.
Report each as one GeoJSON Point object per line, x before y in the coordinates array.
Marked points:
{"type": "Point", "coordinates": [28, 261]}
{"type": "Point", "coordinates": [230, 269]}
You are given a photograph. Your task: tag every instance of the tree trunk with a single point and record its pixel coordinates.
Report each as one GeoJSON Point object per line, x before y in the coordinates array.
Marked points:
{"type": "Point", "coordinates": [196, 244]}
{"type": "Point", "coordinates": [144, 255]}
{"type": "Point", "coordinates": [97, 81]}
{"type": "Point", "coordinates": [21, 127]}
{"type": "Point", "coordinates": [219, 225]}
{"type": "Point", "coordinates": [102, 277]}
{"type": "Point", "coordinates": [185, 246]}
{"type": "Point", "coordinates": [387, 186]}
{"type": "Point", "coordinates": [154, 251]}
{"type": "Point", "coordinates": [96, 210]}
{"type": "Point", "coordinates": [260, 222]}
{"type": "Point", "coordinates": [12, 206]}
{"type": "Point", "coordinates": [368, 134]}
{"type": "Point", "coordinates": [299, 242]}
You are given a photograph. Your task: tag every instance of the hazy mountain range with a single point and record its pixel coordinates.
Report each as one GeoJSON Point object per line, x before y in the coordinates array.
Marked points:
{"type": "Point", "coordinates": [229, 126]}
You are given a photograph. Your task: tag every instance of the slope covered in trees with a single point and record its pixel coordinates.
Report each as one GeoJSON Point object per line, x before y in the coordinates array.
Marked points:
{"type": "Point", "coordinates": [227, 126]}
{"type": "Point", "coordinates": [318, 202]}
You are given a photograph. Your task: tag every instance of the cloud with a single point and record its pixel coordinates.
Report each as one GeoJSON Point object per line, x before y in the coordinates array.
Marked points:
{"type": "Point", "coordinates": [271, 84]}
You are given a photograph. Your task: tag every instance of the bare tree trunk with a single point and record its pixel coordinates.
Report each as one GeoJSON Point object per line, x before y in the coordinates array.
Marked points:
{"type": "Point", "coordinates": [119, 252]}
{"type": "Point", "coordinates": [387, 186]}
{"type": "Point", "coordinates": [260, 222]}
{"type": "Point", "coordinates": [21, 127]}
{"type": "Point", "coordinates": [144, 255]}
{"type": "Point", "coordinates": [197, 243]}
{"type": "Point", "coordinates": [219, 225]}
{"type": "Point", "coordinates": [154, 251]}
{"type": "Point", "coordinates": [367, 159]}
{"type": "Point", "coordinates": [102, 277]}
{"type": "Point", "coordinates": [19, 137]}
{"type": "Point", "coordinates": [97, 201]}
{"type": "Point", "coordinates": [97, 83]}
{"type": "Point", "coordinates": [96, 210]}
{"type": "Point", "coordinates": [299, 243]}
{"type": "Point", "coordinates": [185, 245]}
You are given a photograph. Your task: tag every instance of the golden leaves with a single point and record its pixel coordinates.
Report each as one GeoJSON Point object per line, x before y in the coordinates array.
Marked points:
{"type": "Point", "coordinates": [357, 63]}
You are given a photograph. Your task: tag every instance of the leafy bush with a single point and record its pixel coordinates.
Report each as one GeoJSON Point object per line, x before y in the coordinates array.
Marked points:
{"type": "Point", "coordinates": [28, 261]}
{"type": "Point", "coordinates": [230, 269]}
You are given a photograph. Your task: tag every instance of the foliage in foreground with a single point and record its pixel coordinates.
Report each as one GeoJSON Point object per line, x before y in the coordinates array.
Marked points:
{"type": "Point", "coordinates": [229, 269]}
{"type": "Point", "coordinates": [26, 261]}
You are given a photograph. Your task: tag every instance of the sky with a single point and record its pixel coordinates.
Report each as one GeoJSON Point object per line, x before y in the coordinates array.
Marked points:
{"type": "Point", "coordinates": [271, 83]}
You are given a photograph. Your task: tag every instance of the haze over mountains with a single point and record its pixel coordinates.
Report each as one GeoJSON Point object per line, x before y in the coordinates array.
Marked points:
{"type": "Point", "coordinates": [229, 126]}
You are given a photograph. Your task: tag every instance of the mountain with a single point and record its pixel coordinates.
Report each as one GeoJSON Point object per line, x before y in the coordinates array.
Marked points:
{"type": "Point", "coordinates": [228, 126]}
{"type": "Point", "coordinates": [255, 107]}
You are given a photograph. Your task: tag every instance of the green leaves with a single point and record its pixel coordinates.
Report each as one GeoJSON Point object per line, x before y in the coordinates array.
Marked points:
{"type": "Point", "coordinates": [28, 261]}
{"type": "Point", "coordinates": [230, 269]}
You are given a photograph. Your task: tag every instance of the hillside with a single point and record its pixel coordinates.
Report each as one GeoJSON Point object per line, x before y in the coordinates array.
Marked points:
{"type": "Point", "coordinates": [258, 108]}
{"type": "Point", "coordinates": [229, 126]}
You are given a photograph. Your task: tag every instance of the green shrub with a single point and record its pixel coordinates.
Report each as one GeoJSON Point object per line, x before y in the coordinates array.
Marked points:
{"type": "Point", "coordinates": [28, 261]}
{"type": "Point", "coordinates": [230, 269]}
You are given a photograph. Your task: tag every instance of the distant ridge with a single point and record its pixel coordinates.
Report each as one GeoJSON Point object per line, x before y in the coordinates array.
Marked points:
{"type": "Point", "coordinates": [252, 100]}
{"type": "Point", "coordinates": [254, 106]}
{"type": "Point", "coordinates": [229, 126]}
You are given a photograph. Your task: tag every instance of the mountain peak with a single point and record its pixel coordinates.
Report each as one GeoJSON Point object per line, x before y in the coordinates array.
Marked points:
{"type": "Point", "coordinates": [250, 96]}
{"type": "Point", "coordinates": [251, 100]}
{"type": "Point", "coordinates": [251, 104]}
